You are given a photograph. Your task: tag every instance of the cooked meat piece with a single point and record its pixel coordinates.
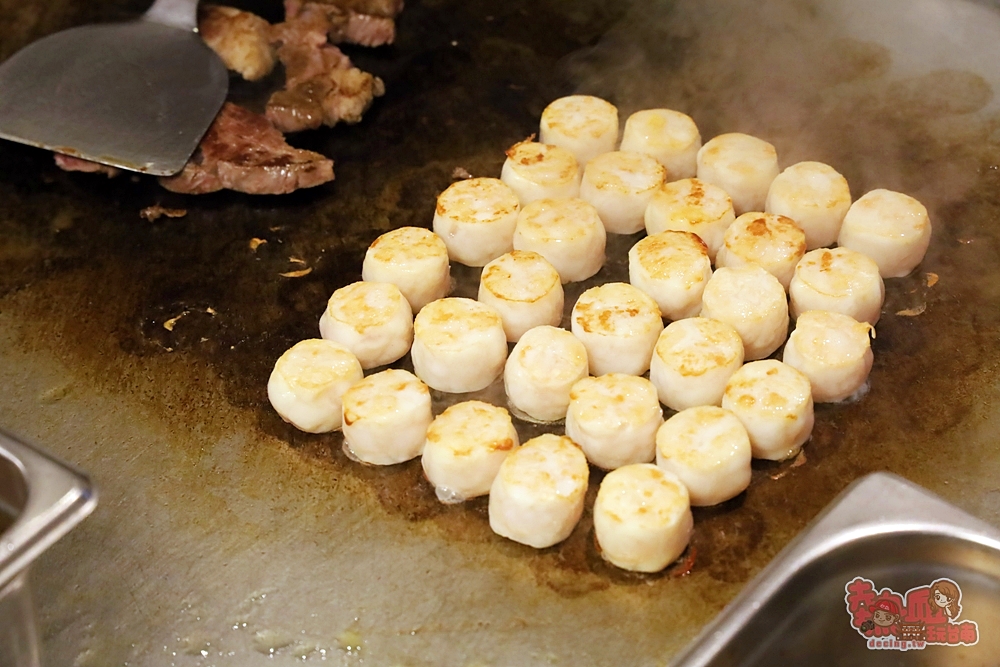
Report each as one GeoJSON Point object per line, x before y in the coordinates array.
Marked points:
{"type": "Point", "coordinates": [321, 86]}
{"type": "Point", "coordinates": [344, 24]}
{"type": "Point", "coordinates": [243, 151]}
{"type": "Point", "coordinates": [340, 95]}
{"type": "Point", "coordinates": [156, 212]}
{"type": "Point", "coordinates": [300, 108]}
{"type": "Point", "coordinates": [387, 8]}
{"type": "Point", "coordinates": [352, 93]}
{"type": "Point", "coordinates": [367, 30]}
{"type": "Point", "coordinates": [70, 163]}
{"type": "Point", "coordinates": [242, 40]}
{"type": "Point", "coordinates": [303, 48]}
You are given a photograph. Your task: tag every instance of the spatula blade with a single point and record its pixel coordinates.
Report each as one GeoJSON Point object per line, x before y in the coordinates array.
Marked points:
{"type": "Point", "coordinates": [133, 95]}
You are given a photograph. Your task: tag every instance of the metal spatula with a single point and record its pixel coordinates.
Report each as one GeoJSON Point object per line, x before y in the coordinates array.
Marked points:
{"type": "Point", "coordinates": [135, 95]}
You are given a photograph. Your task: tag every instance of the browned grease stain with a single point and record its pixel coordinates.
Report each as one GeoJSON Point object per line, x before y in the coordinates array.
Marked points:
{"type": "Point", "coordinates": [96, 294]}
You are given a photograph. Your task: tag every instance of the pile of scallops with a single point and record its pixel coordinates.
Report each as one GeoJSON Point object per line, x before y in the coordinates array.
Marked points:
{"type": "Point", "coordinates": [785, 246]}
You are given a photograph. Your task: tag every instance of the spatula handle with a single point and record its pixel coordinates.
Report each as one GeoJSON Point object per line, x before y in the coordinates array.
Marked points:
{"type": "Point", "coordinates": [176, 13]}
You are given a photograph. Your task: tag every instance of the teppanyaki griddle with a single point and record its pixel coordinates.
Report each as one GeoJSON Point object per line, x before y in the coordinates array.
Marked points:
{"type": "Point", "coordinates": [139, 351]}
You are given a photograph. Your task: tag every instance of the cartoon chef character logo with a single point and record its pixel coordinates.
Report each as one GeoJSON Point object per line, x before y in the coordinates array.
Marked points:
{"type": "Point", "coordinates": [925, 615]}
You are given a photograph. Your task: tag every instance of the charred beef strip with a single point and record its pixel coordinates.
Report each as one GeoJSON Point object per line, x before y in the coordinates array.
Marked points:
{"type": "Point", "coordinates": [241, 39]}
{"type": "Point", "coordinates": [243, 151]}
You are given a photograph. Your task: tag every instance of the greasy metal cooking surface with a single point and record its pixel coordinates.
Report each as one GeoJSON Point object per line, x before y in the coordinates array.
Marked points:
{"type": "Point", "coordinates": [223, 535]}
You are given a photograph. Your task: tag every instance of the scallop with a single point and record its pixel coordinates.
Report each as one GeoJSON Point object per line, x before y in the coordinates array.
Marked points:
{"type": "Point", "coordinates": [693, 360]}
{"type": "Point", "coordinates": [386, 416]}
{"type": "Point", "coordinates": [372, 320]}
{"type": "Point", "coordinates": [832, 350]}
{"type": "Point", "coordinates": [815, 196]}
{"type": "Point", "coordinates": [671, 137]}
{"type": "Point", "coordinates": [537, 496]}
{"type": "Point", "coordinates": [567, 232]}
{"type": "Point", "coordinates": [742, 165]}
{"type": "Point", "coordinates": [525, 289]}
{"type": "Point", "coordinates": [619, 185]}
{"type": "Point", "coordinates": [476, 219]}
{"type": "Point", "coordinates": [773, 242]}
{"type": "Point", "coordinates": [642, 518]}
{"type": "Point", "coordinates": [466, 444]}
{"type": "Point", "coordinates": [619, 325]}
{"type": "Point", "coordinates": [541, 370]}
{"type": "Point", "coordinates": [584, 125]}
{"type": "Point", "coordinates": [691, 205]}
{"type": "Point", "coordinates": [614, 419]}
{"type": "Point", "coordinates": [458, 345]}
{"type": "Point", "coordinates": [413, 259]}
{"type": "Point", "coordinates": [839, 280]}
{"type": "Point", "coordinates": [540, 171]}
{"type": "Point", "coordinates": [708, 449]}
{"type": "Point", "coordinates": [891, 228]}
{"type": "Point", "coordinates": [753, 302]}
{"type": "Point", "coordinates": [774, 403]}
{"type": "Point", "coordinates": [673, 268]}
{"type": "Point", "coordinates": [308, 382]}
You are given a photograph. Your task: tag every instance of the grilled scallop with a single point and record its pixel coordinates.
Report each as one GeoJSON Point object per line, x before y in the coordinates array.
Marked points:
{"type": "Point", "coordinates": [774, 403]}
{"type": "Point", "coordinates": [537, 496]}
{"type": "Point", "coordinates": [476, 219]}
{"type": "Point", "coordinates": [525, 289]}
{"type": "Point", "coordinates": [541, 370]}
{"type": "Point", "coordinates": [567, 232]}
{"type": "Point", "coordinates": [773, 242]}
{"type": "Point", "coordinates": [458, 345]}
{"type": "Point", "coordinates": [619, 325]}
{"type": "Point", "coordinates": [693, 360]}
{"type": "Point", "coordinates": [709, 450]}
{"type": "Point", "coordinates": [891, 228]}
{"type": "Point", "coordinates": [742, 165]}
{"type": "Point", "coordinates": [308, 381]}
{"type": "Point", "coordinates": [673, 268]}
{"type": "Point", "coordinates": [619, 185]}
{"type": "Point", "coordinates": [540, 171]}
{"type": "Point", "coordinates": [691, 205]}
{"type": "Point", "coordinates": [465, 446]}
{"type": "Point", "coordinates": [832, 350]}
{"type": "Point", "coordinates": [386, 416]}
{"type": "Point", "coordinates": [413, 259]}
{"type": "Point", "coordinates": [753, 302]}
{"type": "Point", "coordinates": [671, 137]}
{"type": "Point", "coordinates": [586, 126]}
{"type": "Point", "coordinates": [840, 280]}
{"type": "Point", "coordinates": [614, 419]}
{"type": "Point", "coordinates": [815, 196]}
{"type": "Point", "coordinates": [372, 320]}
{"type": "Point", "coordinates": [642, 518]}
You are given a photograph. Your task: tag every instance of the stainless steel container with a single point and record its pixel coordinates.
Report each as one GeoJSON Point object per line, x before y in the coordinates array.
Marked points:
{"type": "Point", "coordinates": [882, 530]}
{"type": "Point", "coordinates": [40, 500]}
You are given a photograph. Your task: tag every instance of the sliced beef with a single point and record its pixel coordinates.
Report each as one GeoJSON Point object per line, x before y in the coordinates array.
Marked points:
{"type": "Point", "coordinates": [70, 163]}
{"type": "Point", "coordinates": [346, 24]}
{"type": "Point", "coordinates": [340, 95]}
{"type": "Point", "coordinates": [243, 151]}
{"type": "Point", "coordinates": [322, 87]}
{"type": "Point", "coordinates": [386, 8]}
{"type": "Point", "coordinates": [242, 40]}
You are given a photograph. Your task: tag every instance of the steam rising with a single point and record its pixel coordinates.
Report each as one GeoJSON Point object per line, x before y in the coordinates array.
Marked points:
{"type": "Point", "coordinates": [896, 93]}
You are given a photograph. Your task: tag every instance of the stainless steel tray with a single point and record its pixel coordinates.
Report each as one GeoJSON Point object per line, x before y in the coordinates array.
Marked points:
{"type": "Point", "coordinates": [41, 499]}
{"type": "Point", "coordinates": [882, 529]}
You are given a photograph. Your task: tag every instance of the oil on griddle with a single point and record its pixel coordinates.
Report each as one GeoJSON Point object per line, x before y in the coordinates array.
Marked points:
{"type": "Point", "coordinates": [89, 286]}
